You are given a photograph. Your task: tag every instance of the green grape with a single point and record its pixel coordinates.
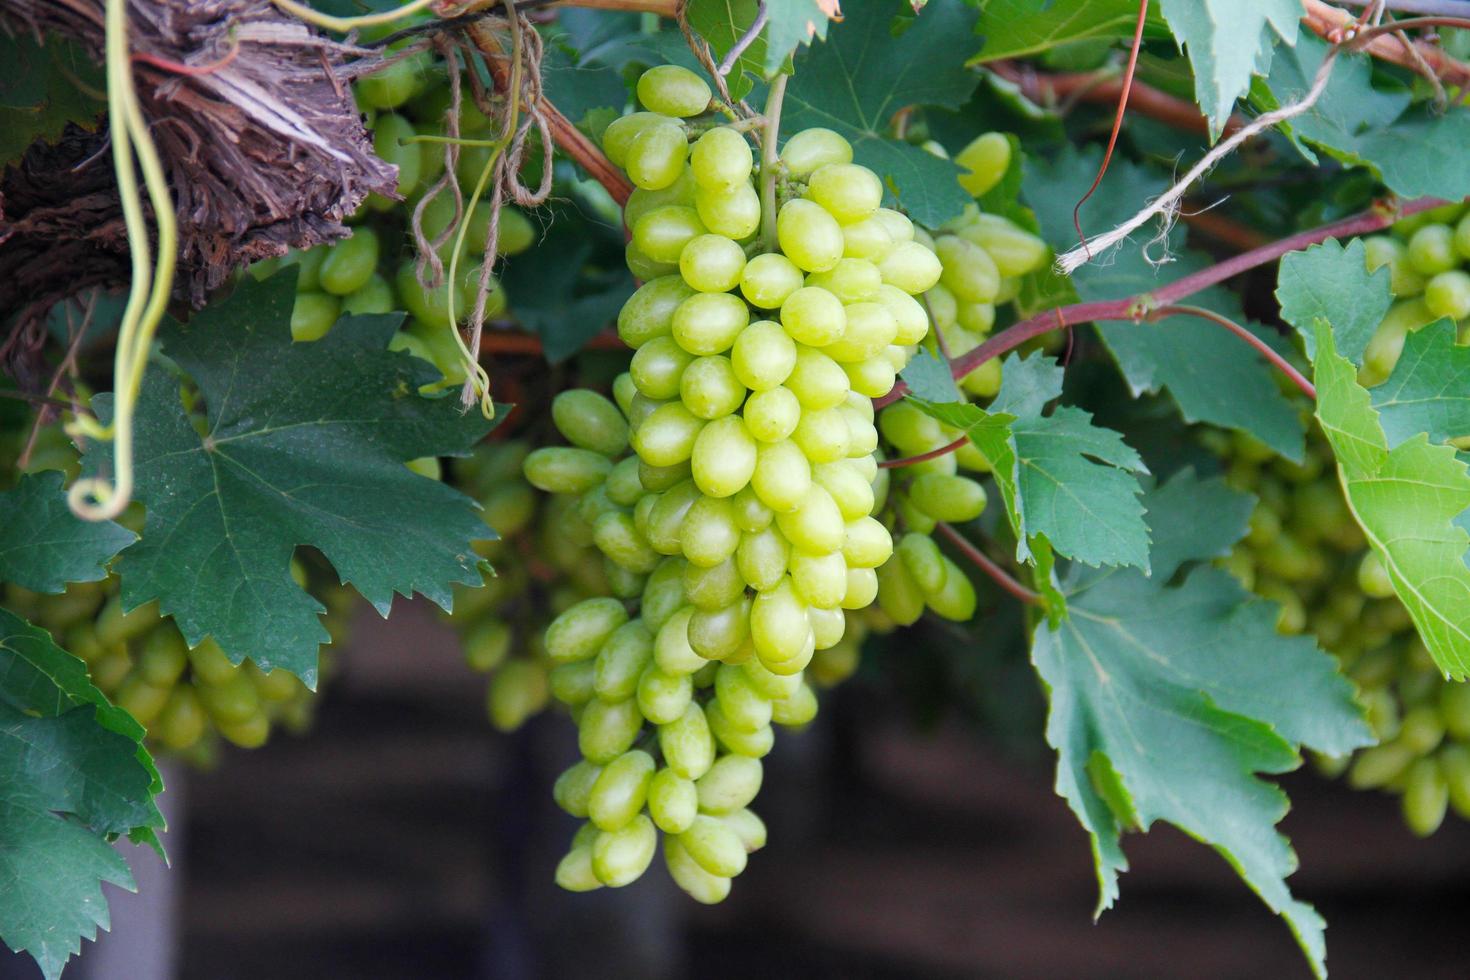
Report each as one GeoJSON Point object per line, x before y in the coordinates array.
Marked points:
{"type": "Point", "coordinates": [1448, 294]}
{"type": "Point", "coordinates": [619, 135]}
{"type": "Point", "coordinates": [1382, 250]}
{"type": "Point", "coordinates": [560, 469]}
{"type": "Point", "coordinates": [850, 280]}
{"type": "Point", "coordinates": [810, 149]}
{"type": "Point", "coordinates": [846, 191]}
{"type": "Point", "coordinates": [579, 633]}
{"type": "Point", "coordinates": [664, 232]}
{"type": "Point", "coordinates": [667, 436]}
{"type": "Point", "coordinates": [724, 457]}
{"type": "Point", "coordinates": [1426, 797]}
{"type": "Point", "coordinates": [813, 316]}
{"type": "Point", "coordinates": [1462, 238]}
{"type": "Point", "coordinates": [816, 380]}
{"type": "Point", "coordinates": [390, 133]}
{"type": "Point", "coordinates": [374, 296]}
{"type": "Point", "coordinates": [763, 355]}
{"type": "Point", "coordinates": [673, 801]}
{"type": "Point", "coordinates": [678, 194]}
{"type": "Point", "coordinates": [986, 158]}
{"type": "Point", "coordinates": [1431, 250]}
{"type": "Point", "coordinates": [708, 323]}
{"type": "Point", "coordinates": [390, 87]}
{"type": "Point", "coordinates": [575, 873]}
{"type": "Point", "coordinates": [782, 475]}
{"type": "Point", "coordinates": [721, 160]}
{"type": "Point", "coordinates": [658, 368]}
{"type": "Point", "coordinates": [953, 499]}
{"type": "Point", "coordinates": [912, 267]}
{"type": "Point", "coordinates": [517, 691]}
{"type": "Point", "coordinates": [763, 558]}
{"type": "Point", "coordinates": [590, 421]}
{"type": "Point", "coordinates": [655, 158]}
{"type": "Point", "coordinates": [712, 263]}
{"type": "Point", "coordinates": [714, 846]}
{"type": "Point", "coordinates": [733, 781]}
{"type": "Point", "coordinates": [871, 328]}
{"type": "Point", "coordinates": [620, 790]}
{"type": "Point", "coordinates": [969, 271]}
{"type": "Point", "coordinates": [673, 91]}
{"type": "Point", "coordinates": [349, 264]}
{"type": "Point", "coordinates": [809, 236]}
{"type": "Point", "coordinates": [709, 533]}
{"type": "Point", "coordinates": [771, 416]}
{"type": "Point", "coordinates": [313, 315]}
{"type": "Point", "coordinates": [1014, 250]}
{"type": "Point", "coordinates": [620, 857]}
{"type": "Point", "coordinates": [735, 214]}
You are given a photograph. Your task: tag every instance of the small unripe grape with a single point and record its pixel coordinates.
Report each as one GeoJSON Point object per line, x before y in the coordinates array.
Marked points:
{"type": "Point", "coordinates": [141, 699]}
{"type": "Point", "coordinates": [1448, 294]}
{"type": "Point", "coordinates": [231, 703]}
{"type": "Point", "coordinates": [590, 421]}
{"type": "Point", "coordinates": [389, 87]}
{"type": "Point", "coordinates": [487, 644]}
{"type": "Point", "coordinates": [181, 722]}
{"type": "Point", "coordinates": [580, 632]}
{"type": "Point", "coordinates": [735, 213]}
{"type": "Point", "coordinates": [810, 149]}
{"type": "Point", "coordinates": [769, 279]}
{"type": "Point", "coordinates": [782, 476]}
{"type": "Point", "coordinates": [667, 436]}
{"type": "Point", "coordinates": [763, 355]}
{"type": "Point", "coordinates": [697, 883]}
{"type": "Point", "coordinates": [649, 312]}
{"type": "Point", "coordinates": [923, 561]}
{"type": "Point", "coordinates": [662, 232]}
{"type": "Point", "coordinates": [977, 318]}
{"type": "Point", "coordinates": [608, 729]}
{"type": "Point", "coordinates": [710, 388]}
{"type": "Point", "coordinates": [986, 158]}
{"type": "Point", "coordinates": [621, 132]}
{"type": "Point", "coordinates": [673, 801]}
{"type": "Point", "coordinates": [1431, 250]}
{"type": "Point", "coordinates": [813, 316]}
{"type": "Point", "coordinates": [1373, 577]}
{"type": "Point", "coordinates": [564, 469]}
{"type": "Point", "coordinates": [748, 827]}
{"type": "Point", "coordinates": [721, 159]}
{"type": "Point", "coordinates": [620, 790]}
{"type": "Point", "coordinates": [709, 534]}
{"type": "Point", "coordinates": [773, 415]}
{"type": "Point", "coordinates": [374, 296]}
{"type": "Point", "coordinates": [809, 236]}
{"type": "Point", "coordinates": [712, 263]}
{"type": "Point", "coordinates": [1384, 250]}
{"type": "Point", "coordinates": [724, 457]}
{"type": "Point", "coordinates": [687, 746]}
{"type": "Point", "coordinates": [708, 323]}
{"type": "Point", "coordinates": [388, 131]}
{"type": "Point", "coordinates": [616, 536]}
{"type": "Point", "coordinates": [655, 158]}
{"type": "Point", "coordinates": [671, 90]}
{"type": "Point", "coordinates": [164, 656]}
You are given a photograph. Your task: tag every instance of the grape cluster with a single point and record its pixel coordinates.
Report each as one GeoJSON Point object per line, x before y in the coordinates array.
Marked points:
{"type": "Point", "coordinates": [742, 519]}
{"type": "Point", "coordinates": [1305, 551]}
{"type": "Point", "coordinates": [184, 697]}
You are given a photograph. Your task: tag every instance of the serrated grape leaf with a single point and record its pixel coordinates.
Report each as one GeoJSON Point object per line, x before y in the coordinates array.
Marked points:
{"type": "Point", "coordinates": [862, 75]}
{"type": "Point", "coordinates": [74, 775]}
{"type": "Point", "coordinates": [723, 23]}
{"type": "Point", "coordinates": [1413, 150]}
{"type": "Point", "coordinates": [43, 545]}
{"type": "Point", "coordinates": [1064, 481]}
{"type": "Point", "coordinates": [1019, 28]}
{"type": "Point", "coordinates": [1327, 280]}
{"type": "Point", "coordinates": [580, 87]}
{"type": "Point", "coordinates": [1408, 500]}
{"type": "Point", "coordinates": [304, 445]}
{"type": "Point", "coordinates": [1429, 389]}
{"type": "Point", "coordinates": [928, 376]}
{"type": "Point", "coordinates": [44, 87]}
{"type": "Point", "coordinates": [1166, 702]}
{"type": "Point", "coordinates": [1211, 375]}
{"type": "Point", "coordinates": [792, 23]}
{"type": "Point", "coordinates": [1227, 41]}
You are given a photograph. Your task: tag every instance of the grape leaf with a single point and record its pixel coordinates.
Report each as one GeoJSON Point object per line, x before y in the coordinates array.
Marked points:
{"type": "Point", "coordinates": [793, 23]}
{"type": "Point", "coordinates": [304, 445]}
{"type": "Point", "coordinates": [74, 775]}
{"type": "Point", "coordinates": [1210, 374]}
{"type": "Point", "coordinates": [1227, 41]}
{"type": "Point", "coordinates": [929, 377]}
{"type": "Point", "coordinates": [43, 545]}
{"type": "Point", "coordinates": [722, 23]}
{"type": "Point", "coordinates": [39, 91]}
{"type": "Point", "coordinates": [1019, 28]}
{"type": "Point", "coordinates": [1408, 500]}
{"type": "Point", "coordinates": [1327, 280]}
{"type": "Point", "coordinates": [1166, 702]}
{"type": "Point", "coordinates": [1429, 389]}
{"type": "Point", "coordinates": [1064, 481]}
{"type": "Point", "coordinates": [862, 75]}
{"type": "Point", "coordinates": [1414, 151]}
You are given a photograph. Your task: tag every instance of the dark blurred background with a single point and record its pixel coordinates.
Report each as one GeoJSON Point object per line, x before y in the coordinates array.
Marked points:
{"type": "Point", "coordinates": [403, 838]}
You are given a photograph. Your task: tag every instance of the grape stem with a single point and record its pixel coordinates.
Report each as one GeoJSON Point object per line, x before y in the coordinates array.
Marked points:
{"type": "Point", "coordinates": [945, 450]}
{"type": "Point", "coordinates": [747, 39]}
{"type": "Point", "coordinates": [982, 561]}
{"type": "Point", "coordinates": [1127, 308]}
{"type": "Point", "coordinates": [1329, 22]}
{"type": "Point", "coordinates": [769, 159]}
{"type": "Point", "coordinates": [1277, 361]}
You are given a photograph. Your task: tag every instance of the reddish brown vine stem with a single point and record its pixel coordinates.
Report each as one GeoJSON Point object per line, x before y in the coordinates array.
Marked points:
{"type": "Point", "coordinates": [983, 562]}
{"type": "Point", "coordinates": [1330, 22]}
{"type": "Point", "coordinates": [1135, 307]}
{"type": "Point", "coordinates": [889, 464]}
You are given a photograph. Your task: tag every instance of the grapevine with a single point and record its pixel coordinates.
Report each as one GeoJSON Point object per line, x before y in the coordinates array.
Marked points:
{"type": "Point", "coordinates": [689, 355]}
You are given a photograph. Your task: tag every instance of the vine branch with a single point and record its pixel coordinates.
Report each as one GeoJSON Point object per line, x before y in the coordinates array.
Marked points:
{"type": "Point", "coordinates": [982, 561]}
{"type": "Point", "coordinates": [1330, 23]}
{"type": "Point", "coordinates": [1264, 349]}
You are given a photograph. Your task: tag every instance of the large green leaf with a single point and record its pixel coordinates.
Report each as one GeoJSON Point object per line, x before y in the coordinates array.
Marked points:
{"type": "Point", "coordinates": [1328, 281]}
{"type": "Point", "coordinates": [1066, 483]}
{"type": "Point", "coordinates": [793, 23]}
{"type": "Point", "coordinates": [1211, 375]}
{"type": "Point", "coordinates": [1413, 150]}
{"type": "Point", "coordinates": [1019, 28]}
{"type": "Point", "coordinates": [1228, 41]}
{"type": "Point", "coordinates": [863, 74]}
{"type": "Point", "coordinates": [43, 545]}
{"type": "Point", "coordinates": [723, 23]}
{"type": "Point", "coordinates": [1166, 702]}
{"type": "Point", "coordinates": [42, 88]}
{"type": "Point", "coordinates": [1429, 389]}
{"type": "Point", "coordinates": [304, 445]}
{"type": "Point", "coordinates": [73, 776]}
{"type": "Point", "coordinates": [1408, 500]}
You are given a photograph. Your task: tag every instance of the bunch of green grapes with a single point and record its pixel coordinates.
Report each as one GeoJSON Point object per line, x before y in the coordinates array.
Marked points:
{"type": "Point", "coordinates": [374, 270]}
{"type": "Point", "coordinates": [1427, 256]}
{"type": "Point", "coordinates": [1306, 552]}
{"type": "Point", "coordinates": [184, 697]}
{"type": "Point", "coordinates": [741, 522]}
